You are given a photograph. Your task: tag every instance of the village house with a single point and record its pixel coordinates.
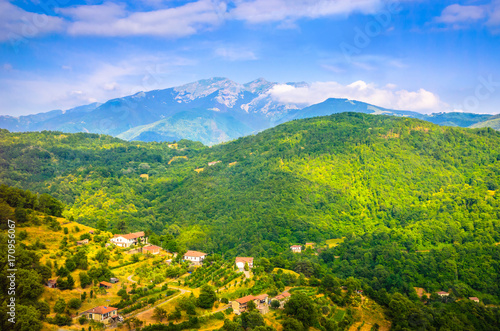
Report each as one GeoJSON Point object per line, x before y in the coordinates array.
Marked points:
{"type": "Point", "coordinates": [151, 249]}
{"type": "Point", "coordinates": [213, 163]}
{"type": "Point", "coordinates": [127, 240]}
{"type": "Point", "coordinates": [113, 280]}
{"type": "Point", "coordinates": [105, 285]}
{"type": "Point", "coordinates": [240, 305]}
{"type": "Point", "coordinates": [296, 248]}
{"type": "Point", "coordinates": [443, 294]}
{"type": "Point", "coordinates": [310, 245]}
{"type": "Point", "coordinates": [82, 242]}
{"type": "Point", "coordinates": [52, 283]}
{"type": "Point", "coordinates": [194, 257]}
{"type": "Point", "coordinates": [282, 299]}
{"type": "Point", "coordinates": [240, 262]}
{"type": "Point", "coordinates": [474, 299]}
{"type": "Point", "coordinates": [102, 314]}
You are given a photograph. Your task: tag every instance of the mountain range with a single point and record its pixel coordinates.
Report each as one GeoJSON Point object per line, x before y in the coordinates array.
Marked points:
{"type": "Point", "coordinates": [211, 111]}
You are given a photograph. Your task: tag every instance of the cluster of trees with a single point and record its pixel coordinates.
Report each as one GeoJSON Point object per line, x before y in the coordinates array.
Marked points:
{"type": "Point", "coordinates": [30, 276]}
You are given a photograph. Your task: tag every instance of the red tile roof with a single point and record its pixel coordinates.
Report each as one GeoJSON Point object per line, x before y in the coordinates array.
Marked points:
{"type": "Point", "coordinates": [443, 292]}
{"type": "Point", "coordinates": [245, 299]}
{"type": "Point", "coordinates": [244, 259]}
{"type": "Point", "coordinates": [296, 246]}
{"type": "Point", "coordinates": [195, 254]}
{"type": "Point", "coordinates": [131, 235]}
{"type": "Point", "coordinates": [261, 297]}
{"type": "Point", "coordinates": [152, 248]}
{"type": "Point", "coordinates": [106, 284]}
{"type": "Point", "coordinates": [101, 310]}
{"type": "Point", "coordinates": [282, 296]}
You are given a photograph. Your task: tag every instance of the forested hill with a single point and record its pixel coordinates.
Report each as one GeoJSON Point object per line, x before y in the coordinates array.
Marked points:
{"type": "Point", "coordinates": [305, 180]}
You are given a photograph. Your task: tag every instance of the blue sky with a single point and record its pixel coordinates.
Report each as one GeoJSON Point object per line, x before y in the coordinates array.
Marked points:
{"type": "Point", "coordinates": [418, 55]}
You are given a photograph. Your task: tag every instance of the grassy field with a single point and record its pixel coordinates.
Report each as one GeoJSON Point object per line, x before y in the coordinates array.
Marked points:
{"type": "Point", "coordinates": [334, 242]}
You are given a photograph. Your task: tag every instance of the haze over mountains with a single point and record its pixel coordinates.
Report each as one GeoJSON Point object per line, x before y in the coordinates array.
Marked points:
{"type": "Point", "coordinates": [210, 111]}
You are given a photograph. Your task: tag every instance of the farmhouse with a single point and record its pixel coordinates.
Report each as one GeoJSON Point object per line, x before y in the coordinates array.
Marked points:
{"type": "Point", "coordinates": [296, 248]}
{"type": "Point", "coordinates": [102, 314]}
{"type": "Point", "coordinates": [240, 262]}
{"type": "Point", "coordinates": [126, 240]}
{"type": "Point", "coordinates": [106, 285]}
{"type": "Point", "coordinates": [82, 242]}
{"type": "Point", "coordinates": [114, 280]}
{"type": "Point", "coordinates": [52, 283]}
{"type": "Point", "coordinates": [474, 299]}
{"type": "Point", "coordinates": [443, 294]}
{"type": "Point", "coordinates": [240, 305]}
{"type": "Point", "coordinates": [310, 245]}
{"type": "Point", "coordinates": [213, 163]}
{"type": "Point", "coordinates": [151, 249]}
{"type": "Point", "coordinates": [282, 298]}
{"type": "Point", "coordinates": [194, 257]}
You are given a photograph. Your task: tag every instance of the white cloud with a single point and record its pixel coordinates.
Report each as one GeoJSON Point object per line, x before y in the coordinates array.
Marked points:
{"type": "Point", "coordinates": [457, 13]}
{"type": "Point", "coordinates": [17, 24]}
{"type": "Point", "coordinates": [257, 11]}
{"type": "Point", "coordinates": [388, 97]}
{"type": "Point", "coordinates": [461, 17]}
{"type": "Point", "coordinates": [29, 92]}
{"type": "Point", "coordinates": [110, 19]}
{"type": "Point", "coordinates": [235, 54]}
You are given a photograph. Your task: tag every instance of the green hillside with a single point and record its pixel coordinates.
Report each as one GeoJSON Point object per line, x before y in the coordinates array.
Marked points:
{"type": "Point", "coordinates": [415, 203]}
{"type": "Point", "coordinates": [304, 180]}
{"type": "Point", "coordinates": [493, 122]}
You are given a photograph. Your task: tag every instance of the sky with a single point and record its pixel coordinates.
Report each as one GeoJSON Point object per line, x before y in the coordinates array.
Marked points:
{"type": "Point", "coordinates": [426, 56]}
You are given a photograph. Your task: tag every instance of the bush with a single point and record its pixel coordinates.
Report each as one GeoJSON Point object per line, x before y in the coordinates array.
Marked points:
{"type": "Point", "coordinates": [74, 303]}
{"type": "Point", "coordinates": [82, 319]}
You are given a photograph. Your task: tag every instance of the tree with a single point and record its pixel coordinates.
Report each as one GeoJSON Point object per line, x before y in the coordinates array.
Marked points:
{"type": "Point", "coordinates": [247, 268]}
{"type": "Point", "coordinates": [84, 279]}
{"type": "Point", "coordinates": [29, 285]}
{"type": "Point", "coordinates": [251, 319]}
{"type": "Point", "coordinates": [230, 326]}
{"type": "Point", "coordinates": [159, 314]}
{"type": "Point", "coordinates": [275, 304]}
{"type": "Point", "coordinates": [302, 308]}
{"type": "Point", "coordinates": [27, 319]}
{"type": "Point", "coordinates": [74, 303]}
{"type": "Point", "coordinates": [43, 307]}
{"type": "Point", "coordinates": [291, 324]}
{"type": "Point", "coordinates": [251, 305]}
{"type": "Point", "coordinates": [207, 297]}
{"type": "Point", "coordinates": [60, 306]}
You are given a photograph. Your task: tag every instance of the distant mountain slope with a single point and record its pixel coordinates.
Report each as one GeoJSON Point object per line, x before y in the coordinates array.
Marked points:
{"type": "Point", "coordinates": [335, 106]}
{"type": "Point", "coordinates": [208, 127]}
{"type": "Point", "coordinates": [210, 110]}
{"type": "Point", "coordinates": [492, 122]}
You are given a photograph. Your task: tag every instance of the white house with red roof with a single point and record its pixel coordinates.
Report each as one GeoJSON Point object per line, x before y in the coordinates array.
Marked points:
{"type": "Point", "coordinates": [102, 314]}
{"type": "Point", "coordinates": [296, 248]}
{"type": "Point", "coordinates": [127, 240]}
{"type": "Point", "coordinates": [240, 262]}
{"type": "Point", "coordinates": [194, 257]}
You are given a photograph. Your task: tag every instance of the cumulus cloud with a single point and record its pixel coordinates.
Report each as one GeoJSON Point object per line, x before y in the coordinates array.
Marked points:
{"type": "Point", "coordinates": [110, 19]}
{"type": "Point", "coordinates": [460, 17]}
{"type": "Point", "coordinates": [387, 97]}
{"type": "Point", "coordinates": [256, 11]}
{"type": "Point", "coordinates": [17, 24]}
